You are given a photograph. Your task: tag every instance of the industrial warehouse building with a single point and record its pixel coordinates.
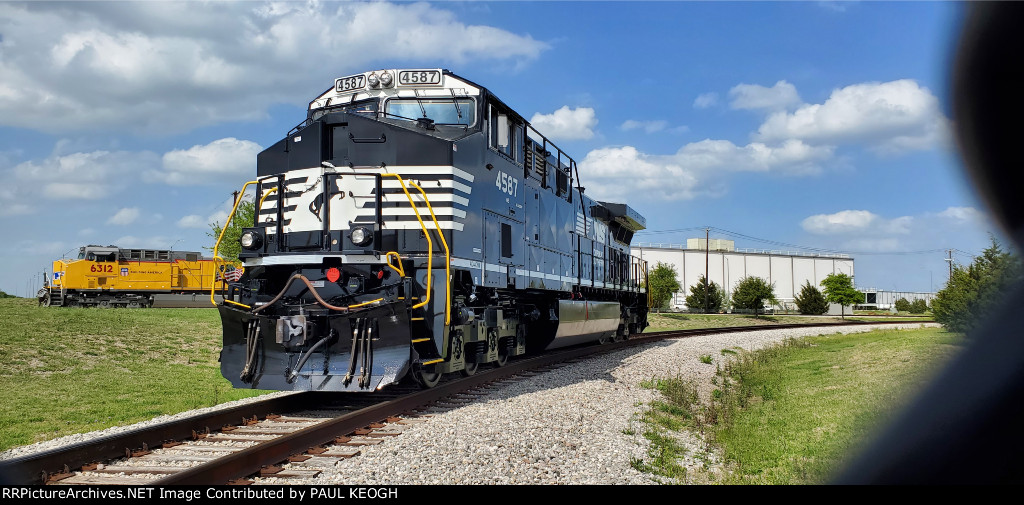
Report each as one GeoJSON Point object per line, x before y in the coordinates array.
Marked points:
{"type": "Point", "coordinates": [885, 299]}
{"type": "Point", "coordinates": [726, 265]}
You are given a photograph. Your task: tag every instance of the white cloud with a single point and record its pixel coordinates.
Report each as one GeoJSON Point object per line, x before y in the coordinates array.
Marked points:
{"type": "Point", "coordinates": [792, 156]}
{"type": "Point", "coordinates": [647, 126]}
{"type": "Point", "coordinates": [781, 96]}
{"type": "Point", "coordinates": [566, 123]}
{"type": "Point", "coordinates": [86, 176]}
{"type": "Point", "coordinates": [616, 173]}
{"type": "Point", "coordinates": [891, 117]}
{"type": "Point", "coordinates": [125, 216]}
{"type": "Point", "coordinates": [963, 214]}
{"type": "Point", "coordinates": [10, 204]}
{"type": "Point", "coordinates": [192, 221]}
{"type": "Point", "coordinates": [706, 100]}
{"type": "Point", "coordinates": [227, 159]}
{"type": "Point", "coordinates": [625, 172]}
{"type": "Point", "coordinates": [164, 67]}
{"type": "Point", "coordinates": [856, 221]}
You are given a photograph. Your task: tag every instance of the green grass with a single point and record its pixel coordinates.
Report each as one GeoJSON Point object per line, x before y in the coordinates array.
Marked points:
{"type": "Point", "coordinates": [74, 370]}
{"type": "Point", "coordinates": [794, 413]}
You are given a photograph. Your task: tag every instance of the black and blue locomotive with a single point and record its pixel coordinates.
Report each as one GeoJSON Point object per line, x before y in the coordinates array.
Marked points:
{"type": "Point", "coordinates": [416, 225]}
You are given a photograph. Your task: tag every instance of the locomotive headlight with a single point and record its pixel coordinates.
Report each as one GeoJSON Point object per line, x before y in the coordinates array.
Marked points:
{"type": "Point", "coordinates": [250, 239]}
{"type": "Point", "coordinates": [361, 236]}
{"type": "Point", "coordinates": [386, 79]}
{"type": "Point", "coordinates": [373, 81]}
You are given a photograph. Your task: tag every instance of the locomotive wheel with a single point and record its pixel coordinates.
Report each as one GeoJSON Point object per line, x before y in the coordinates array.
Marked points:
{"type": "Point", "coordinates": [604, 340]}
{"type": "Point", "coordinates": [471, 368]}
{"type": "Point", "coordinates": [502, 354]}
{"type": "Point", "coordinates": [426, 379]}
{"type": "Point", "coordinates": [621, 334]}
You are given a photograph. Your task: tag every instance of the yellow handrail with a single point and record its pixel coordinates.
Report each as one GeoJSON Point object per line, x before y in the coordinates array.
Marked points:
{"type": "Point", "coordinates": [260, 206]}
{"type": "Point", "coordinates": [400, 269]}
{"type": "Point", "coordinates": [647, 287]}
{"type": "Point", "coordinates": [430, 244]}
{"type": "Point", "coordinates": [364, 303]}
{"type": "Point", "coordinates": [221, 237]}
{"type": "Point", "coordinates": [447, 259]}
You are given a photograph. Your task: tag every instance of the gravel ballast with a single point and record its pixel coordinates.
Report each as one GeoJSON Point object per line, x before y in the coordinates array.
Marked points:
{"type": "Point", "coordinates": [565, 426]}
{"type": "Point", "coordinates": [577, 424]}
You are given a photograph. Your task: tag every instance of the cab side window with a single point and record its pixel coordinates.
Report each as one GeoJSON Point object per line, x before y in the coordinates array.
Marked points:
{"type": "Point", "coordinates": [505, 133]}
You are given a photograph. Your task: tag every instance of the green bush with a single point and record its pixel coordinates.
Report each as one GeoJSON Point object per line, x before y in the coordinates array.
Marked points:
{"type": "Point", "coordinates": [810, 301]}
{"type": "Point", "coordinates": [918, 307]}
{"type": "Point", "coordinates": [902, 305]}
{"type": "Point", "coordinates": [662, 283]}
{"type": "Point", "coordinates": [973, 291]}
{"type": "Point", "coordinates": [751, 294]}
{"type": "Point", "coordinates": [715, 297]}
{"type": "Point", "coordinates": [839, 289]}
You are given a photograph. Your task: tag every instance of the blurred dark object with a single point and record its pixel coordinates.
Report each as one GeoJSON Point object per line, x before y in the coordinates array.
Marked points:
{"type": "Point", "coordinates": [966, 427]}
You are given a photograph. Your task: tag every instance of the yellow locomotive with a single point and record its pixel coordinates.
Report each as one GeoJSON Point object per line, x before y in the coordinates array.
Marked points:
{"type": "Point", "coordinates": [114, 277]}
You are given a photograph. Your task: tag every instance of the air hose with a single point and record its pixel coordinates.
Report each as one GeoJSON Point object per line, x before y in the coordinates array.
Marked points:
{"type": "Point", "coordinates": [302, 361]}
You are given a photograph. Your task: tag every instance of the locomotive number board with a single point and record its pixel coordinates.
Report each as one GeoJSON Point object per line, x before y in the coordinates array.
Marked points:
{"type": "Point", "coordinates": [350, 83]}
{"type": "Point", "coordinates": [419, 77]}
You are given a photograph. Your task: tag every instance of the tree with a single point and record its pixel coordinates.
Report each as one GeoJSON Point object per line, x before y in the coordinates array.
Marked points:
{"type": "Point", "coordinates": [662, 283]}
{"type": "Point", "coordinates": [751, 293]}
{"type": "Point", "coordinates": [810, 300]}
{"type": "Point", "coordinates": [839, 289]}
{"type": "Point", "coordinates": [902, 305]}
{"type": "Point", "coordinates": [715, 296]}
{"type": "Point", "coordinates": [973, 291]}
{"type": "Point", "coordinates": [918, 307]}
{"type": "Point", "coordinates": [229, 245]}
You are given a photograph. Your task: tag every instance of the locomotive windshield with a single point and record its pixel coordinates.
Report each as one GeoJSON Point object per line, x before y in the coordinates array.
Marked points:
{"type": "Point", "coordinates": [364, 107]}
{"type": "Point", "coordinates": [444, 111]}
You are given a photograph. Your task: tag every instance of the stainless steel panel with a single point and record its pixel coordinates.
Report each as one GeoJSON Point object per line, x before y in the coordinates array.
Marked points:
{"type": "Point", "coordinates": [586, 318]}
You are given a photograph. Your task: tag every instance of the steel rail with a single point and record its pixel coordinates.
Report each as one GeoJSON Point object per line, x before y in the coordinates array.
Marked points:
{"type": "Point", "coordinates": [30, 469]}
{"type": "Point", "coordinates": [250, 461]}
{"type": "Point", "coordinates": [33, 468]}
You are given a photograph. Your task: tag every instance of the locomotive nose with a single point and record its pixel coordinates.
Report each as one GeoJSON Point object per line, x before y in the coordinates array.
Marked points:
{"type": "Point", "coordinates": [362, 351]}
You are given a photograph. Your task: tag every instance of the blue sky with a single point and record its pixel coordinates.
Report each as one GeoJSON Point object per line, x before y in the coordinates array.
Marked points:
{"type": "Point", "coordinates": [818, 124]}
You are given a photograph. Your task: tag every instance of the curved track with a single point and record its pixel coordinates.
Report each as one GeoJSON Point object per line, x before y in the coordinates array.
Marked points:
{"type": "Point", "coordinates": [348, 415]}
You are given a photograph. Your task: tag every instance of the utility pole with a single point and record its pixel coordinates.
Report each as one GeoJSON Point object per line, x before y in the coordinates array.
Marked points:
{"type": "Point", "coordinates": [235, 195]}
{"type": "Point", "coordinates": [950, 261]}
{"type": "Point", "coordinates": [707, 254]}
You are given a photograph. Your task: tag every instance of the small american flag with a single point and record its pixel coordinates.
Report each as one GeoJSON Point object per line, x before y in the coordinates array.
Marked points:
{"type": "Point", "coordinates": [232, 275]}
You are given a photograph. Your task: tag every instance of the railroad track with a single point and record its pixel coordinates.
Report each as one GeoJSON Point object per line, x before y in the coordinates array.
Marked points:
{"type": "Point", "coordinates": [306, 429]}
